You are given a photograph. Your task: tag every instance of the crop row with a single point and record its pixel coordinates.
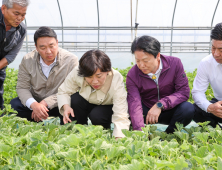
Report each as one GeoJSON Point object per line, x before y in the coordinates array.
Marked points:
{"type": "Point", "coordinates": [30, 145]}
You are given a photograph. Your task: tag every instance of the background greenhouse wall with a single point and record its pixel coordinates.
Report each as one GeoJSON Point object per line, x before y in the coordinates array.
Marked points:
{"type": "Point", "coordinates": [182, 26]}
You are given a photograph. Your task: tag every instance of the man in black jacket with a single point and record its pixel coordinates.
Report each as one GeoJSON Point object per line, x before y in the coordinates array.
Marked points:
{"type": "Point", "coordinates": [12, 34]}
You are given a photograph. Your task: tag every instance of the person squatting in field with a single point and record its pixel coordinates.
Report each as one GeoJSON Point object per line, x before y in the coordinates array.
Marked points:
{"type": "Point", "coordinates": [209, 72]}
{"type": "Point", "coordinates": [40, 74]}
{"type": "Point", "coordinates": [157, 87]}
{"type": "Point", "coordinates": [95, 90]}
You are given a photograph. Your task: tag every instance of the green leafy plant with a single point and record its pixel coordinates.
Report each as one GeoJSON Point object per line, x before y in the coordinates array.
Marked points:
{"type": "Point", "coordinates": [30, 145]}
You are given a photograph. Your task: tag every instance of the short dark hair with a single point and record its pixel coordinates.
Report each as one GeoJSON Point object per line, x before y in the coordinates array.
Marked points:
{"type": "Point", "coordinates": [93, 60]}
{"type": "Point", "coordinates": [44, 32]}
{"type": "Point", "coordinates": [216, 33]}
{"type": "Point", "coordinates": [147, 44]}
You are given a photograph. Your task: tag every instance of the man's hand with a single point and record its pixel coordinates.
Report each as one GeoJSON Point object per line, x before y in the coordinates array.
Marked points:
{"type": "Point", "coordinates": [153, 115]}
{"type": "Point", "coordinates": [215, 109]}
{"type": "Point", "coordinates": [44, 103]}
{"type": "Point", "coordinates": [35, 117]}
{"type": "Point", "coordinates": [67, 111]}
{"type": "Point", "coordinates": [39, 110]}
{"type": "Point", "coordinates": [3, 63]}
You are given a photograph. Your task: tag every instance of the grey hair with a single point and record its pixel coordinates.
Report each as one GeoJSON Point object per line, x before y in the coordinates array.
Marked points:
{"type": "Point", "coordinates": [9, 3]}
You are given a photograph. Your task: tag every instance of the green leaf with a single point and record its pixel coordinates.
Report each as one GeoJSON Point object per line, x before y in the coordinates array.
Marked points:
{"type": "Point", "coordinates": [42, 147]}
{"type": "Point", "coordinates": [219, 163]}
{"type": "Point", "coordinates": [150, 161]}
{"type": "Point", "coordinates": [71, 140]}
{"type": "Point", "coordinates": [72, 154]}
{"type": "Point", "coordinates": [179, 126]}
{"type": "Point", "coordinates": [136, 165]}
{"type": "Point", "coordinates": [202, 136]}
{"type": "Point", "coordinates": [181, 163]}
{"type": "Point", "coordinates": [199, 160]}
{"type": "Point", "coordinates": [69, 165]}
{"type": "Point", "coordinates": [202, 152]}
{"type": "Point", "coordinates": [4, 148]}
{"type": "Point", "coordinates": [106, 145]}
{"type": "Point", "coordinates": [55, 147]}
{"type": "Point", "coordinates": [78, 166]}
{"type": "Point", "coordinates": [127, 133]}
{"type": "Point", "coordinates": [184, 146]}
{"type": "Point", "coordinates": [114, 152]}
{"type": "Point", "coordinates": [218, 149]}
{"type": "Point", "coordinates": [19, 161]}
{"type": "Point", "coordinates": [96, 165]}
{"type": "Point", "coordinates": [181, 135]}
{"type": "Point", "coordinates": [161, 164]}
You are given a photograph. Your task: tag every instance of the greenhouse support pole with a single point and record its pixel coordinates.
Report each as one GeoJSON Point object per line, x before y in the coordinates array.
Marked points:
{"type": "Point", "coordinates": [61, 23]}
{"type": "Point", "coordinates": [26, 38]}
{"type": "Point", "coordinates": [98, 22]}
{"type": "Point", "coordinates": [131, 11]}
{"type": "Point", "coordinates": [136, 24]}
{"type": "Point", "coordinates": [172, 28]}
{"type": "Point", "coordinates": [131, 14]}
{"type": "Point", "coordinates": [213, 21]}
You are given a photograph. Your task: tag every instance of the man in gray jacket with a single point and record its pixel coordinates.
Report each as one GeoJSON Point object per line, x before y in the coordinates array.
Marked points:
{"type": "Point", "coordinates": [12, 34]}
{"type": "Point", "coordinates": [41, 72]}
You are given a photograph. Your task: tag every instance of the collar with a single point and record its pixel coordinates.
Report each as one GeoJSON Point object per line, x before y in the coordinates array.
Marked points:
{"type": "Point", "coordinates": [44, 64]}
{"type": "Point", "coordinates": [214, 62]}
{"type": "Point", "coordinates": [158, 70]}
{"type": "Point", "coordinates": [105, 88]}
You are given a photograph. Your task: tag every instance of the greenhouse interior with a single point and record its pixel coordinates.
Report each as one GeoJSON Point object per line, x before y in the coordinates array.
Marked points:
{"type": "Point", "coordinates": [183, 28]}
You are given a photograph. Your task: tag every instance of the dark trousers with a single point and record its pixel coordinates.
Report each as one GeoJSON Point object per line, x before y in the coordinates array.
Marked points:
{"type": "Point", "coordinates": [202, 116]}
{"type": "Point", "coordinates": [98, 114]}
{"type": "Point", "coordinates": [25, 112]}
{"type": "Point", "coordinates": [2, 79]}
{"type": "Point", "coordinates": [182, 113]}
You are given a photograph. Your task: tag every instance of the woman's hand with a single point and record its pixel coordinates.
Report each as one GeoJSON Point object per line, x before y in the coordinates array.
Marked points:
{"type": "Point", "coordinates": [67, 111]}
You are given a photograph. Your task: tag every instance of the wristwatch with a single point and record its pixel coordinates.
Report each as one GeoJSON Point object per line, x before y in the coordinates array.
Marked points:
{"type": "Point", "coordinates": [160, 105]}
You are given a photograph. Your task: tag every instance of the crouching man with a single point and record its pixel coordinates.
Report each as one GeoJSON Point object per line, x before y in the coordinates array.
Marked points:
{"type": "Point", "coordinates": [41, 72]}
{"type": "Point", "coordinates": [209, 72]}
{"type": "Point", "coordinates": [157, 87]}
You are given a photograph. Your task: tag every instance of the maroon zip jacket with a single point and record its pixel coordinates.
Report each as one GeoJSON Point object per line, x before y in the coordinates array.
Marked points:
{"type": "Point", "coordinates": [173, 89]}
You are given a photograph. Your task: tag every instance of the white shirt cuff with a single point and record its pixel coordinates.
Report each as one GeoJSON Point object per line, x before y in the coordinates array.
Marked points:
{"type": "Point", "coordinates": [205, 105]}
{"type": "Point", "coordinates": [29, 102]}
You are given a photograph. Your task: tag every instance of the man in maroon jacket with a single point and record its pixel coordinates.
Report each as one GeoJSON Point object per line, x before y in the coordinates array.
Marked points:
{"type": "Point", "coordinates": [157, 87]}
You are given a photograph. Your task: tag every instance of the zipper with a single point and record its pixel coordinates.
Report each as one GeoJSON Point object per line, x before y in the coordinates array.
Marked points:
{"type": "Point", "coordinates": [158, 91]}
{"type": "Point", "coordinates": [7, 37]}
{"type": "Point", "coordinates": [42, 71]}
{"type": "Point", "coordinates": [51, 70]}
{"type": "Point", "coordinates": [157, 85]}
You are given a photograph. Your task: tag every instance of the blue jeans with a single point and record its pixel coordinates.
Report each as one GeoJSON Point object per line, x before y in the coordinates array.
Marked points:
{"type": "Point", "coordinates": [25, 112]}
{"type": "Point", "coordinates": [182, 113]}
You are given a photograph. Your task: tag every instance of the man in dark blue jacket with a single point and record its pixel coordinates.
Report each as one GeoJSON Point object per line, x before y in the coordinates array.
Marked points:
{"type": "Point", "coordinates": [12, 34]}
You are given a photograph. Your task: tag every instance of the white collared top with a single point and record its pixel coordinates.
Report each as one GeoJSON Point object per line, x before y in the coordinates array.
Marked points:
{"type": "Point", "coordinates": [209, 71]}
{"type": "Point", "coordinates": [157, 74]}
{"type": "Point", "coordinates": [46, 70]}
